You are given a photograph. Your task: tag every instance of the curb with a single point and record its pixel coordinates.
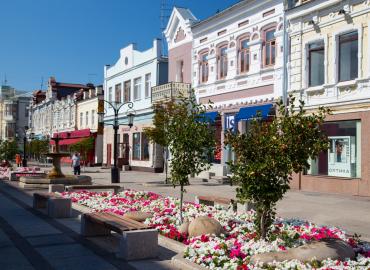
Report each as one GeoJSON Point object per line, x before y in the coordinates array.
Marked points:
{"type": "Point", "coordinates": [179, 262]}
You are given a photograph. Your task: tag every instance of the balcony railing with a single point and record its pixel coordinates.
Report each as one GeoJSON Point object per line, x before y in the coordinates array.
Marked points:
{"type": "Point", "coordinates": [172, 90]}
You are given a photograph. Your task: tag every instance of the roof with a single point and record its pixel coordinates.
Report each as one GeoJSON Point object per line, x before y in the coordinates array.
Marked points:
{"type": "Point", "coordinates": [186, 13]}
{"type": "Point", "coordinates": [221, 13]}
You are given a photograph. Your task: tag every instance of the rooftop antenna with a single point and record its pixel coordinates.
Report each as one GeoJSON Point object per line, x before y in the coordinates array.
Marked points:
{"type": "Point", "coordinates": [165, 10]}
{"type": "Point", "coordinates": [42, 83]}
{"type": "Point", "coordinates": [5, 80]}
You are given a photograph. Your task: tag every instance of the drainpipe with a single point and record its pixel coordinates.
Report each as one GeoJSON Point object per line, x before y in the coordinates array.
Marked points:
{"type": "Point", "coordinates": [285, 55]}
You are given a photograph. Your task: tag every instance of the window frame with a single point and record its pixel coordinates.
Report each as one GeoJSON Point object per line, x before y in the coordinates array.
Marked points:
{"type": "Point", "coordinates": [203, 66]}
{"type": "Point", "coordinates": [128, 82]}
{"type": "Point", "coordinates": [133, 146]}
{"type": "Point", "coordinates": [222, 62]}
{"type": "Point", "coordinates": [339, 43]}
{"type": "Point", "coordinates": [309, 51]}
{"type": "Point", "coordinates": [246, 52]}
{"type": "Point", "coordinates": [272, 44]}
{"type": "Point", "coordinates": [118, 93]}
{"type": "Point", "coordinates": [148, 84]}
{"type": "Point", "coordinates": [137, 86]}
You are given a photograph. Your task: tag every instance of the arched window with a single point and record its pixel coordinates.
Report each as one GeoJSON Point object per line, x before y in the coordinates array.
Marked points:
{"type": "Point", "coordinates": [269, 46]}
{"type": "Point", "coordinates": [203, 67]}
{"type": "Point", "coordinates": [222, 61]}
{"type": "Point", "coordinates": [243, 55]}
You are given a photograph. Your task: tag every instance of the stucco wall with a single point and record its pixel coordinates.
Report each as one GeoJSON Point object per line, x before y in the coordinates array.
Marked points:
{"type": "Point", "coordinates": [180, 53]}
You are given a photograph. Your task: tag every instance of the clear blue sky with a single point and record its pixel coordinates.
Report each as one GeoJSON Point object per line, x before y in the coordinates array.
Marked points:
{"type": "Point", "coordinates": [70, 39]}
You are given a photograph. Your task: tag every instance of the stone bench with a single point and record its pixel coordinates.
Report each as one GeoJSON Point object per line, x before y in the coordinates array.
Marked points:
{"type": "Point", "coordinates": [214, 200]}
{"type": "Point", "coordinates": [14, 176]}
{"type": "Point", "coordinates": [224, 202]}
{"type": "Point", "coordinates": [116, 188]}
{"type": "Point", "coordinates": [57, 206]}
{"type": "Point", "coordinates": [137, 241]}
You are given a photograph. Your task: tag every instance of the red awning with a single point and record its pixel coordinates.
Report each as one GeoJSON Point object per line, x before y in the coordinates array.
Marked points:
{"type": "Point", "coordinates": [80, 133]}
{"type": "Point", "coordinates": [67, 141]}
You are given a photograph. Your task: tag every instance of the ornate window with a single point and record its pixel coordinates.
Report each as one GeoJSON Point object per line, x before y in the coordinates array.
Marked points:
{"type": "Point", "coordinates": [244, 55]}
{"type": "Point", "coordinates": [222, 62]}
{"type": "Point", "coordinates": [269, 47]}
{"type": "Point", "coordinates": [203, 68]}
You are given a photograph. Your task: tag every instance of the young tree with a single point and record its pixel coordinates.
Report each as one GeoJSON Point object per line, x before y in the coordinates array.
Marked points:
{"type": "Point", "coordinates": [158, 133]}
{"type": "Point", "coordinates": [190, 140]}
{"type": "Point", "coordinates": [269, 152]}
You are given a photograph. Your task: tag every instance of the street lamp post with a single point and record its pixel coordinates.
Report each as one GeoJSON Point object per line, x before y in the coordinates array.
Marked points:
{"type": "Point", "coordinates": [115, 176]}
{"type": "Point", "coordinates": [24, 161]}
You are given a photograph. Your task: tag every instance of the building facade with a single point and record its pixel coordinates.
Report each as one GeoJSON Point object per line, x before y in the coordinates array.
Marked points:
{"type": "Point", "coordinates": [329, 65]}
{"type": "Point", "coordinates": [130, 79]}
{"type": "Point", "coordinates": [13, 114]}
{"type": "Point", "coordinates": [237, 67]}
{"type": "Point", "coordinates": [56, 113]}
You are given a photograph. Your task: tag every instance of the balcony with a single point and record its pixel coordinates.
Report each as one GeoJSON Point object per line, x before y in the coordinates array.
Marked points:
{"type": "Point", "coordinates": [172, 90]}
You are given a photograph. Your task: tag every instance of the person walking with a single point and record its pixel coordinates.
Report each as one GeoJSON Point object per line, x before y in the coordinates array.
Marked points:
{"type": "Point", "coordinates": [18, 160]}
{"type": "Point", "coordinates": [76, 164]}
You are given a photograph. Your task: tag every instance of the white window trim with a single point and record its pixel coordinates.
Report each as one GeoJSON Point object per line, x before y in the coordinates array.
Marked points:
{"type": "Point", "coordinates": [150, 87]}
{"type": "Point", "coordinates": [336, 35]}
{"type": "Point", "coordinates": [139, 95]}
{"type": "Point", "coordinates": [305, 67]}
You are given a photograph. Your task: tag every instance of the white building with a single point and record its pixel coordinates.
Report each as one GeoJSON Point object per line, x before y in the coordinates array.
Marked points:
{"type": "Point", "coordinates": [130, 80]}
{"type": "Point", "coordinates": [237, 64]}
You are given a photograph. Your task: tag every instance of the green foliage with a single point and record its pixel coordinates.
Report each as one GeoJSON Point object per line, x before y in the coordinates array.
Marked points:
{"type": "Point", "coordinates": [8, 149]}
{"type": "Point", "coordinates": [188, 136]}
{"type": "Point", "coordinates": [38, 147]}
{"type": "Point", "coordinates": [269, 152]}
{"type": "Point", "coordinates": [83, 147]}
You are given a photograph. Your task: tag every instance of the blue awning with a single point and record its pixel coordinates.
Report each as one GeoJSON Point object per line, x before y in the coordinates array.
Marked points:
{"type": "Point", "coordinates": [209, 117]}
{"type": "Point", "coordinates": [247, 113]}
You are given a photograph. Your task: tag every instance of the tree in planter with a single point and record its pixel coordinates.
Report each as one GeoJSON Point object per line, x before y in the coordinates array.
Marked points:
{"type": "Point", "coordinates": [269, 152]}
{"type": "Point", "coordinates": [83, 147]}
{"type": "Point", "coordinates": [158, 133]}
{"type": "Point", "coordinates": [188, 137]}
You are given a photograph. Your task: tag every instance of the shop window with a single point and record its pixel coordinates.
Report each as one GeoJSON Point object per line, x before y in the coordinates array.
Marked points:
{"type": "Point", "coordinates": [144, 147]}
{"type": "Point", "coordinates": [269, 47]}
{"type": "Point", "coordinates": [140, 146]}
{"type": "Point", "coordinates": [343, 159]}
{"type": "Point", "coordinates": [203, 68]}
{"type": "Point", "coordinates": [136, 146]}
{"type": "Point", "coordinates": [217, 127]}
{"type": "Point", "coordinates": [348, 59]}
{"type": "Point", "coordinates": [244, 55]}
{"type": "Point", "coordinates": [316, 57]}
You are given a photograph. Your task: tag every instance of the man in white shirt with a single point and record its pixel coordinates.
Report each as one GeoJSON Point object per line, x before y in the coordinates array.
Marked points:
{"type": "Point", "coordinates": [76, 164]}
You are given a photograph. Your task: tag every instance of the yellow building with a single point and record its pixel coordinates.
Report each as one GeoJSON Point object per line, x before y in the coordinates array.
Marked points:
{"type": "Point", "coordinates": [329, 65]}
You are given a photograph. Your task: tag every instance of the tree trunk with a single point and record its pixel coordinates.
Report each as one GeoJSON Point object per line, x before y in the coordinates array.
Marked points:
{"type": "Point", "coordinates": [181, 201]}
{"type": "Point", "coordinates": [263, 230]}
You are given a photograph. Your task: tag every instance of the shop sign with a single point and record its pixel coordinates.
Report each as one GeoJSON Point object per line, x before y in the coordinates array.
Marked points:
{"type": "Point", "coordinates": [341, 156]}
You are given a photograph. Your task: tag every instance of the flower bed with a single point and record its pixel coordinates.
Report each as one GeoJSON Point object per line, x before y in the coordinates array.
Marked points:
{"type": "Point", "coordinates": [225, 252]}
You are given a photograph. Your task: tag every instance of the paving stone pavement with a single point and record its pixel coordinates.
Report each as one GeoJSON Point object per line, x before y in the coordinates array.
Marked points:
{"type": "Point", "coordinates": [29, 239]}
